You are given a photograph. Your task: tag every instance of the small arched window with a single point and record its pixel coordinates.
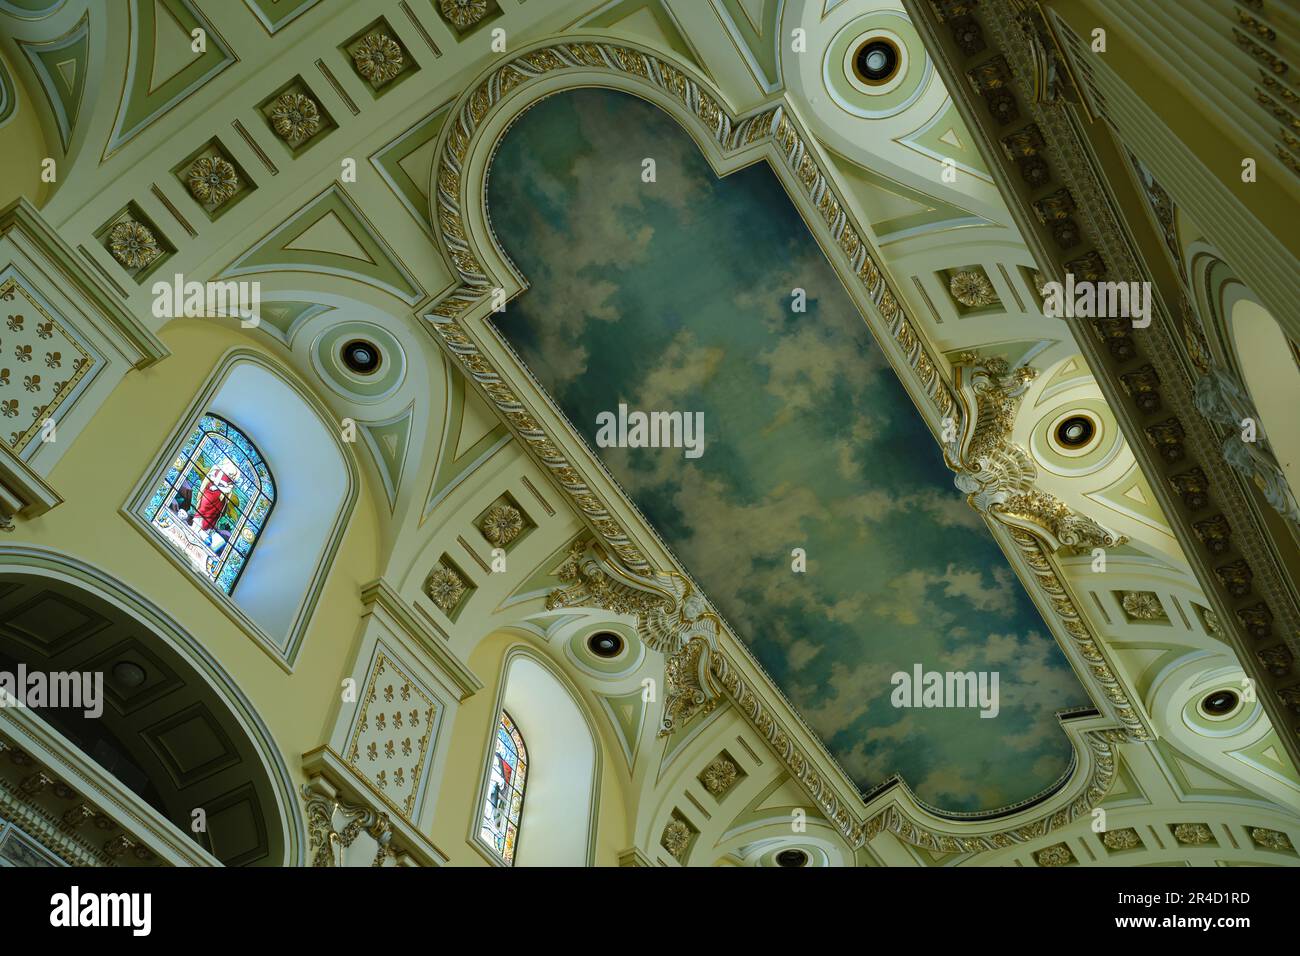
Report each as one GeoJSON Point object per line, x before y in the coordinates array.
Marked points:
{"type": "Point", "coordinates": [507, 777]}
{"type": "Point", "coordinates": [214, 500]}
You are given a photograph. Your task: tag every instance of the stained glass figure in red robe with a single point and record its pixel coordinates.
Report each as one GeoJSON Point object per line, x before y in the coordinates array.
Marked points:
{"type": "Point", "coordinates": [214, 492]}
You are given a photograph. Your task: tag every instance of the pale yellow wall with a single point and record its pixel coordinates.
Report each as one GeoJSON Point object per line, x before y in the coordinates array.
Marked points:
{"type": "Point", "coordinates": [96, 476]}
{"type": "Point", "coordinates": [24, 147]}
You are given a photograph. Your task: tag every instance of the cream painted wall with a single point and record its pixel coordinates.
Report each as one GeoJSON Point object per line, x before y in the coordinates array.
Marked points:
{"type": "Point", "coordinates": [95, 478]}
{"type": "Point", "coordinates": [24, 147]}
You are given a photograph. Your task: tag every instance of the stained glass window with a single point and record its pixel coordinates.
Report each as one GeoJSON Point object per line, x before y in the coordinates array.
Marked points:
{"type": "Point", "coordinates": [505, 794]}
{"type": "Point", "coordinates": [213, 502]}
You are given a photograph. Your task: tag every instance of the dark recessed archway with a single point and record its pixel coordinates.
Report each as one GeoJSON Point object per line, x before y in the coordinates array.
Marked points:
{"type": "Point", "coordinates": [165, 732]}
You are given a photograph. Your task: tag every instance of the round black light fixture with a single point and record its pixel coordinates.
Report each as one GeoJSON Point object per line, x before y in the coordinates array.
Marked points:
{"type": "Point", "coordinates": [605, 644]}
{"type": "Point", "coordinates": [792, 858]}
{"type": "Point", "coordinates": [361, 356]}
{"type": "Point", "coordinates": [1220, 703]}
{"type": "Point", "coordinates": [1076, 431]}
{"type": "Point", "coordinates": [876, 61]}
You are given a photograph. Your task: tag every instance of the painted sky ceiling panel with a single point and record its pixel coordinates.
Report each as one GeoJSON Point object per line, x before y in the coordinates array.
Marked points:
{"type": "Point", "coordinates": [810, 442]}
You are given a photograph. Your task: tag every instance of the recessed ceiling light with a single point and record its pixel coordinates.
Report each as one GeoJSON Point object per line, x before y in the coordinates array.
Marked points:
{"type": "Point", "coordinates": [1076, 431]}
{"type": "Point", "coordinates": [361, 356]}
{"type": "Point", "coordinates": [128, 674]}
{"type": "Point", "coordinates": [605, 644]}
{"type": "Point", "coordinates": [876, 61]}
{"type": "Point", "coordinates": [1220, 703]}
{"type": "Point", "coordinates": [792, 858]}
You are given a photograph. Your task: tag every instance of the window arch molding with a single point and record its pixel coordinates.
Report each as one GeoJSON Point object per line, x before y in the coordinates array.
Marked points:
{"type": "Point", "coordinates": [286, 573]}
{"type": "Point", "coordinates": [549, 712]}
{"type": "Point", "coordinates": [286, 821]}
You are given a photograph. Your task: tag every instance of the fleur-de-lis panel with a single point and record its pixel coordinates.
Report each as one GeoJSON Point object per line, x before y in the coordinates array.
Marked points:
{"type": "Point", "coordinates": [31, 338]}
{"type": "Point", "coordinates": [392, 762]}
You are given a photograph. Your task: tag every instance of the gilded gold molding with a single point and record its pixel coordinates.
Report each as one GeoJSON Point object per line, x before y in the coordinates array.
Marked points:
{"type": "Point", "coordinates": [1074, 624]}
{"type": "Point", "coordinates": [998, 475]}
{"type": "Point", "coordinates": [1102, 776]}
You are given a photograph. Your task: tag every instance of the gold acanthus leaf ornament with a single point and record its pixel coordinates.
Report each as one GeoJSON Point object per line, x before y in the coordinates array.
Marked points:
{"type": "Point", "coordinates": [502, 525]}
{"type": "Point", "coordinates": [295, 117]}
{"type": "Point", "coordinates": [671, 617]}
{"type": "Point", "coordinates": [972, 289]}
{"type": "Point", "coordinates": [132, 244]}
{"type": "Point", "coordinates": [444, 587]}
{"type": "Point", "coordinates": [212, 180]}
{"type": "Point", "coordinates": [463, 14]}
{"type": "Point", "coordinates": [998, 475]}
{"type": "Point", "coordinates": [378, 58]}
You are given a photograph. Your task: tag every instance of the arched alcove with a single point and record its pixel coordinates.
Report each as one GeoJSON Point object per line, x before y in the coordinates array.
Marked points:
{"type": "Point", "coordinates": [558, 819]}
{"type": "Point", "coordinates": [173, 732]}
{"type": "Point", "coordinates": [1272, 376]}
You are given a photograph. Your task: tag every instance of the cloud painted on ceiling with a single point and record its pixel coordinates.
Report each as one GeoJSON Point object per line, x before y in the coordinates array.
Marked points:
{"type": "Point", "coordinates": [676, 295]}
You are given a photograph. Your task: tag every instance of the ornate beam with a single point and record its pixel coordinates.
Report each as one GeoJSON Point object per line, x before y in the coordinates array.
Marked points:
{"type": "Point", "coordinates": [998, 60]}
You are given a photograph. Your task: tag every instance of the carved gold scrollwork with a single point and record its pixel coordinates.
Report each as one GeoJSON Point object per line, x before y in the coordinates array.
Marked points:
{"type": "Point", "coordinates": [690, 691]}
{"type": "Point", "coordinates": [327, 840]}
{"type": "Point", "coordinates": [671, 617]}
{"type": "Point", "coordinates": [998, 475]}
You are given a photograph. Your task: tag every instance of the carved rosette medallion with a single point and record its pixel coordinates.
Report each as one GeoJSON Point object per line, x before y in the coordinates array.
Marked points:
{"type": "Point", "coordinates": [719, 776]}
{"type": "Point", "coordinates": [463, 14]}
{"type": "Point", "coordinates": [1125, 839]}
{"type": "Point", "coordinates": [676, 838]}
{"type": "Point", "coordinates": [501, 525]}
{"type": "Point", "coordinates": [212, 180]}
{"type": "Point", "coordinates": [132, 244]}
{"type": "Point", "coordinates": [378, 58]}
{"type": "Point", "coordinates": [972, 289]}
{"type": "Point", "coordinates": [295, 118]}
{"type": "Point", "coordinates": [1058, 854]}
{"type": "Point", "coordinates": [1143, 606]}
{"type": "Point", "coordinates": [1193, 834]}
{"type": "Point", "coordinates": [444, 587]}
{"type": "Point", "coordinates": [1270, 839]}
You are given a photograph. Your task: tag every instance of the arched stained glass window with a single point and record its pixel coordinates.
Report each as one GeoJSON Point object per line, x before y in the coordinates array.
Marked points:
{"type": "Point", "coordinates": [507, 776]}
{"type": "Point", "coordinates": [214, 500]}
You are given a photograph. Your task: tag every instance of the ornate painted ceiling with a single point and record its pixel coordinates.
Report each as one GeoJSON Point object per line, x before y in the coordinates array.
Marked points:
{"type": "Point", "coordinates": [677, 295]}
